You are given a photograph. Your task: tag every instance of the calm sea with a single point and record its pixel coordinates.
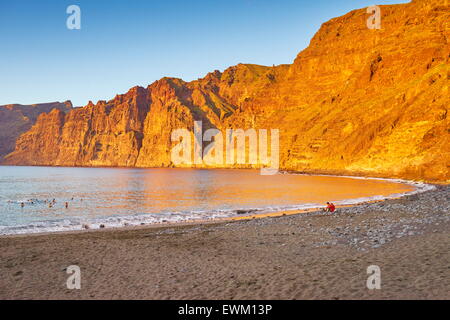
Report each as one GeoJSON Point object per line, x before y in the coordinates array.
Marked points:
{"type": "Point", "coordinates": [117, 197]}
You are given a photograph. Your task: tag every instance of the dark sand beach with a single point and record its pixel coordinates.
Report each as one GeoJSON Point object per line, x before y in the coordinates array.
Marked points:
{"type": "Point", "coordinates": [313, 255]}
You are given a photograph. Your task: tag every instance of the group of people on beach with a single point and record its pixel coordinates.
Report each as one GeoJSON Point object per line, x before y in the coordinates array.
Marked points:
{"type": "Point", "coordinates": [50, 203]}
{"type": "Point", "coordinates": [329, 208]}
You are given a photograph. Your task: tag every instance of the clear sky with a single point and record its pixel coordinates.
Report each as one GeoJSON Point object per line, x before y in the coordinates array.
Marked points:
{"type": "Point", "coordinates": [135, 42]}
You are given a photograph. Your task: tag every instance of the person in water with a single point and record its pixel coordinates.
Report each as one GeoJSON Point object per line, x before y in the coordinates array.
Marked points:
{"type": "Point", "coordinates": [330, 207]}
{"type": "Point", "coordinates": [67, 205]}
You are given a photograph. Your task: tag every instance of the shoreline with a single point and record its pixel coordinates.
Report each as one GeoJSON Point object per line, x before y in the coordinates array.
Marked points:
{"type": "Point", "coordinates": [418, 187]}
{"type": "Point", "coordinates": [315, 255]}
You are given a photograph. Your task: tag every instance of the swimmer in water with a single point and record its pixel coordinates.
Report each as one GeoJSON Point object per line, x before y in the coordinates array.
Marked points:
{"type": "Point", "coordinates": [67, 205]}
{"type": "Point", "coordinates": [22, 204]}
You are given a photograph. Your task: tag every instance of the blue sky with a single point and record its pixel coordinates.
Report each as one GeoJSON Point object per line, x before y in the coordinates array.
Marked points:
{"type": "Point", "coordinates": [126, 43]}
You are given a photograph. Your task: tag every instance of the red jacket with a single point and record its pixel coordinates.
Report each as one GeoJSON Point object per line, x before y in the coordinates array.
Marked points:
{"type": "Point", "coordinates": [331, 207]}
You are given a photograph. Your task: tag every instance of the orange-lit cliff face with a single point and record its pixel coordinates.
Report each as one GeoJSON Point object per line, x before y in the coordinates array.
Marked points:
{"type": "Point", "coordinates": [356, 101]}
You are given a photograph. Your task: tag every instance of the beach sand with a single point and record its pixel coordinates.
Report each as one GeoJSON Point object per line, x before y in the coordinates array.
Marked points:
{"type": "Point", "coordinates": [312, 255]}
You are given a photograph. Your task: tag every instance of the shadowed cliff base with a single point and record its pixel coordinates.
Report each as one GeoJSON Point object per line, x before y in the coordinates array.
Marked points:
{"type": "Point", "coordinates": [15, 119]}
{"type": "Point", "coordinates": [356, 101]}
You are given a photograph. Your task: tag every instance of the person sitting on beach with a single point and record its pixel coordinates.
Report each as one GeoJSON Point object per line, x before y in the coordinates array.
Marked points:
{"type": "Point", "coordinates": [330, 207]}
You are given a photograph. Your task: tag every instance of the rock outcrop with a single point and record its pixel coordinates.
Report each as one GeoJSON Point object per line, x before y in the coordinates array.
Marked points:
{"type": "Point", "coordinates": [16, 119]}
{"type": "Point", "coordinates": [356, 101]}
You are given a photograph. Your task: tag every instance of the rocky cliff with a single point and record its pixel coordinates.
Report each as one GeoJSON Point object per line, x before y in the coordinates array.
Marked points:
{"type": "Point", "coordinates": [356, 101]}
{"type": "Point", "coordinates": [16, 119]}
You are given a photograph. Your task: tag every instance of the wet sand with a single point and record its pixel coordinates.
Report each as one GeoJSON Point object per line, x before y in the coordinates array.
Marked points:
{"type": "Point", "coordinates": [312, 255]}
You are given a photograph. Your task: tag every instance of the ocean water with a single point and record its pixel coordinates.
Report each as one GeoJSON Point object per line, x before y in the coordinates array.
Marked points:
{"type": "Point", "coordinates": [116, 197]}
